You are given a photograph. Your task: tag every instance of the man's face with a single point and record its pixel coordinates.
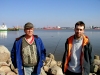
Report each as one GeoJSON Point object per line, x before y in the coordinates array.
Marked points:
{"type": "Point", "coordinates": [29, 31]}
{"type": "Point", "coordinates": [79, 31]}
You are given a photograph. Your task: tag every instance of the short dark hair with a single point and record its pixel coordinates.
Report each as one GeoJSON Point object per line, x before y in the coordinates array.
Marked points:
{"type": "Point", "coordinates": [80, 23]}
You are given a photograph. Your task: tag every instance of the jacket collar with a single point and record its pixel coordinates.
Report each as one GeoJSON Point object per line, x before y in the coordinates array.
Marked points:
{"type": "Point", "coordinates": [36, 36]}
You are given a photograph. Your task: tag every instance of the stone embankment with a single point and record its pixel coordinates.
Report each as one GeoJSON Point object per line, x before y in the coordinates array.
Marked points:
{"type": "Point", "coordinates": [6, 67]}
{"type": "Point", "coordinates": [51, 66]}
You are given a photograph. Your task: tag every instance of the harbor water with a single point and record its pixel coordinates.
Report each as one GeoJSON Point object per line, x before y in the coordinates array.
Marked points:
{"type": "Point", "coordinates": [54, 40]}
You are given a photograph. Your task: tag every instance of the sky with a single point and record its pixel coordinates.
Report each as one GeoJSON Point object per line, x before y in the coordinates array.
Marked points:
{"type": "Point", "coordinates": [42, 13]}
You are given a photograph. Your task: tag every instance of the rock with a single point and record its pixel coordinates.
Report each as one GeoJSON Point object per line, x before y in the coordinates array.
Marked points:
{"type": "Point", "coordinates": [50, 62]}
{"type": "Point", "coordinates": [56, 70]}
{"type": "Point", "coordinates": [96, 62]}
{"type": "Point", "coordinates": [59, 63]}
{"type": "Point", "coordinates": [92, 74]}
{"type": "Point", "coordinates": [46, 68]}
{"type": "Point", "coordinates": [11, 73]}
{"type": "Point", "coordinates": [12, 68]}
{"type": "Point", "coordinates": [42, 72]}
{"type": "Point", "coordinates": [99, 68]}
{"type": "Point", "coordinates": [5, 62]}
{"type": "Point", "coordinates": [2, 73]}
{"type": "Point", "coordinates": [50, 65]}
{"type": "Point", "coordinates": [3, 49]}
{"type": "Point", "coordinates": [46, 61]}
{"type": "Point", "coordinates": [96, 57]}
{"type": "Point", "coordinates": [16, 71]}
{"type": "Point", "coordinates": [4, 54]}
{"type": "Point", "coordinates": [9, 61]}
{"type": "Point", "coordinates": [51, 56]}
{"type": "Point", "coordinates": [4, 57]}
{"type": "Point", "coordinates": [96, 68]}
{"type": "Point", "coordinates": [5, 69]}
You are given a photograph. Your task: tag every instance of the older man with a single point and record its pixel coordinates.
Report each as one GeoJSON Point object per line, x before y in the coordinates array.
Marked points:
{"type": "Point", "coordinates": [28, 52]}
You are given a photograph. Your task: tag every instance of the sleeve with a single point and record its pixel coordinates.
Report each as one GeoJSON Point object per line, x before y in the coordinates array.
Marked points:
{"type": "Point", "coordinates": [64, 55]}
{"type": "Point", "coordinates": [91, 57]}
{"type": "Point", "coordinates": [43, 51]}
{"type": "Point", "coordinates": [13, 55]}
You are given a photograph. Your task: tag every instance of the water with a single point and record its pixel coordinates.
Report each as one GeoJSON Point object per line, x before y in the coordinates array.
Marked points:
{"type": "Point", "coordinates": [54, 40]}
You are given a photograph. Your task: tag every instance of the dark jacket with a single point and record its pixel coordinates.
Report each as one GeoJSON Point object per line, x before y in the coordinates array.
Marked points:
{"type": "Point", "coordinates": [16, 55]}
{"type": "Point", "coordinates": [86, 58]}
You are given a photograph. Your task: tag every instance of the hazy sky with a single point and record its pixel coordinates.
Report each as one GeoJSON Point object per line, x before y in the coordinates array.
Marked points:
{"type": "Point", "coordinates": [64, 13]}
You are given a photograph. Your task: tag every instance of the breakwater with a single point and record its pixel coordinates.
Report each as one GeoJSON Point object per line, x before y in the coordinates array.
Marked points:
{"type": "Point", "coordinates": [50, 65]}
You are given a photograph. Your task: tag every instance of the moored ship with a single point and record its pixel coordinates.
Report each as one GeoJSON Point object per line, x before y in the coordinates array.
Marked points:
{"type": "Point", "coordinates": [52, 28]}
{"type": "Point", "coordinates": [3, 27]}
